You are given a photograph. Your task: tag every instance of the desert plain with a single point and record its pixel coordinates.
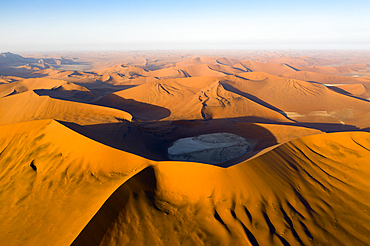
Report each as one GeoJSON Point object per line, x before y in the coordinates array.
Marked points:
{"type": "Point", "coordinates": [185, 148]}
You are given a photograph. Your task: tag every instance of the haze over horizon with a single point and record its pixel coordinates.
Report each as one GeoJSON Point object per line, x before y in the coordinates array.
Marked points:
{"type": "Point", "coordinates": [146, 25]}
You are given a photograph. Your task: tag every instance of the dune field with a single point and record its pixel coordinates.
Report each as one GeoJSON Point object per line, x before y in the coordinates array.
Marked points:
{"type": "Point", "coordinates": [183, 148]}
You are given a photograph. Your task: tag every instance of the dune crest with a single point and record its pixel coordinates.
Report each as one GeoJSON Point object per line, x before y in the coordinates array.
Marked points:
{"type": "Point", "coordinates": [29, 106]}
{"type": "Point", "coordinates": [300, 202]}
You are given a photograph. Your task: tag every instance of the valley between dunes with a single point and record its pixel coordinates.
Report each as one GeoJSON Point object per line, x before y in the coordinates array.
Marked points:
{"type": "Point", "coordinates": [84, 160]}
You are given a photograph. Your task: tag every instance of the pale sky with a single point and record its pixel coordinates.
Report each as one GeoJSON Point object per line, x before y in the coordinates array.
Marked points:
{"type": "Point", "coordinates": [42, 25]}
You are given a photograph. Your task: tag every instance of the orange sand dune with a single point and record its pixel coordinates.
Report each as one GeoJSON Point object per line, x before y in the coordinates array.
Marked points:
{"type": "Point", "coordinates": [322, 78]}
{"type": "Point", "coordinates": [9, 79]}
{"type": "Point", "coordinates": [357, 90]}
{"type": "Point", "coordinates": [271, 68]}
{"type": "Point", "coordinates": [226, 69]}
{"type": "Point", "coordinates": [123, 70]}
{"type": "Point", "coordinates": [54, 180]}
{"type": "Point", "coordinates": [167, 73]}
{"type": "Point", "coordinates": [29, 85]}
{"type": "Point", "coordinates": [208, 60]}
{"type": "Point", "coordinates": [311, 191]}
{"type": "Point", "coordinates": [185, 102]}
{"type": "Point", "coordinates": [203, 70]}
{"type": "Point", "coordinates": [228, 61]}
{"type": "Point", "coordinates": [328, 70]}
{"type": "Point", "coordinates": [298, 193]}
{"type": "Point", "coordinates": [299, 61]}
{"type": "Point", "coordinates": [262, 135]}
{"type": "Point", "coordinates": [249, 94]}
{"type": "Point", "coordinates": [299, 100]}
{"type": "Point", "coordinates": [71, 76]}
{"type": "Point", "coordinates": [122, 74]}
{"type": "Point", "coordinates": [69, 91]}
{"type": "Point", "coordinates": [29, 106]}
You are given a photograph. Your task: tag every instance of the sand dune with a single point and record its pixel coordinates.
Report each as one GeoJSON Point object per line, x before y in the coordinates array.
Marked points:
{"type": "Point", "coordinates": [247, 94]}
{"type": "Point", "coordinates": [185, 102]}
{"type": "Point", "coordinates": [296, 193]}
{"type": "Point", "coordinates": [9, 79]}
{"type": "Point", "coordinates": [356, 90]}
{"type": "Point", "coordinates": [322, 78]}
{"type": "Point", "coordinates": [71, 76]}
{"type": "Point", "coordinates": [29, 106]}
{"type": "Point", "coordinates": [167, 73]}
{"type": "Point", "coordinates": [271, 68]}
{"type": "Point", "coordinates": [29, 85]}
{"type": "Point", "coordinates": [84, 155]}
{"type": "Point", "coordinates": [299, 61]}
{"type": "Point", "coordinates": [203, 70]}
{"type": "Point", "coordinates": [69, 91]}
{"type": "Point", "coordinates": [123, 70]}
{"type": "Point", "coordinates": [56, 182]}
{"type": "Point", "coordinates": [302, 101]}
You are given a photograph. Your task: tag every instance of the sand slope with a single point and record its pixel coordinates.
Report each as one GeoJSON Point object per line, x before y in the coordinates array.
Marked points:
{"type": "Point", "coordinates": [187, 102]}
{"type": "Point", "coordinates": [301, 101]}
{"type": "Point", "coordinates": [250, 94]}
{"type": "Point", "coordinates": [295, 194]}
{"type": "Point", "coordinates": [322, 78]}
{"type": "Point", "coordinates": [29, 85]}
{"type": "Point", "coordinates": [29, 106]}
{"type": "Point", "coordinates": [78, 190]}
{"type": "Point", "coordinates": [53, 181]}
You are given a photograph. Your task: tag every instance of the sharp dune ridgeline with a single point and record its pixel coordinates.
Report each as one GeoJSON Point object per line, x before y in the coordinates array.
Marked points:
{"type": "Point", "coordinates": [87, 157]}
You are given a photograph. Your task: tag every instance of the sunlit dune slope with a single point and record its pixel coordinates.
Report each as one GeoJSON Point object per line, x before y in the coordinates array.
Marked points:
{"type": "Point", "coordinates": [206, 70]}
{"type": "Point", "coordinates": [29, 85]}
{"type": "Point", "coordinates": [123, 70]}
{"type": "Point", "coordinates": [271, 68]}
{"type": "Point", "coordinates": [124, 74]}
{"type": "Point", "coordinates": [329, 70]}
{"type": "Point", "coordinates": [255, 94]}
{"type": "Point", "coordinates": [208, 60]}
{"type": "Point", "coordinates": [69, 91]}
{"type": "Point", "coordinates": [322, 78]}
{"type": "Point", "coordinates": [29, 106]}
{"type": "Point", "coordinates": [53, 181]}
{"type": "Point", "coordinates": [356, 90]}
{"type": "Point", "coordinates": [299, 100]}
{"type": "Point", "coordinates": [9, 79]}
{"type": "Point", "coordinates": [310, 191]}
{"type": "Point", "coordinates": [71, 76]}
{"type": "Point", "coordinates": [167, 73]}
{"type": "Point", "coordinates": [201, 98]}
{"type": "Point", "coordinates": [299, 61]}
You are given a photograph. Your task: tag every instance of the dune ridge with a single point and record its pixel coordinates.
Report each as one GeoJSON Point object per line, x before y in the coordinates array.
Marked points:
{"type": "Point", "coordinates": [53, 180]}
{"type": "Point", "coordinates": [312, 195]}
{"type": "Point", "coordinates": [301, 202]}
{"type": "Point", "coordinates": [29, 106]}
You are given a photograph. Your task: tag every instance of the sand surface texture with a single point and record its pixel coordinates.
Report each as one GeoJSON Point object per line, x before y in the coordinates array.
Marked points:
{"type": "Point", "coordinates": [182, 148]}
